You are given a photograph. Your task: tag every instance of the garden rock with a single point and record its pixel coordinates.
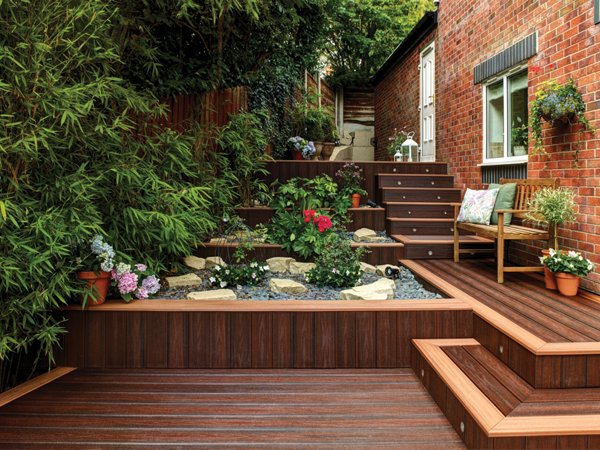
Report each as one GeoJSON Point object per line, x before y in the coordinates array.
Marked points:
{"type": "Point", "coordinates": [190, 279]}
{"type": "Point", "coordinates": [300, 268]}
{"type": "Point", "coordinates": [382, 289]}
{"type": "Point", "coordinates": [280, 264]}
{"type": "Point", "coordinates": [284, 286]}
{"type": "Point", "coordinates": [367, 268]}
{"type": "Point", "coordinates": [380, 270]}
{"type": "Point", "coordinates": [217, 294]}
{"type": "Point", "coordinates": [193, 262]}
{"type": "Point", "coordinates": [213, 261]}
{"type": "Point", "coordinates": [221, 240]}
{"type": "Point", "coordinates": [367, 235]}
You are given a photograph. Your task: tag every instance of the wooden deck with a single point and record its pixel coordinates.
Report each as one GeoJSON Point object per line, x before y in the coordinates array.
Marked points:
{"type": "Point", "coordinates": [523, 300]}
{"type": "Point", "coordinates": [217, 409]}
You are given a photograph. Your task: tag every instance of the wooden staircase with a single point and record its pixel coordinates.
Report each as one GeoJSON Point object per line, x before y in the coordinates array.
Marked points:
{"type": "Point", "coordinates": [419, 212]}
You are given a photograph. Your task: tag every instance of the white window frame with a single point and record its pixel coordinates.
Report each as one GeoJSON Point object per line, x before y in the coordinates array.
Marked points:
{"type": "Point", "coordinates": [505, 159]}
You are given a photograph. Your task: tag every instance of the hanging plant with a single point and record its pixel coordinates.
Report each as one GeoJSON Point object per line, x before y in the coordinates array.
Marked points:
{"type": "Point", "coordinates": [557, 104]}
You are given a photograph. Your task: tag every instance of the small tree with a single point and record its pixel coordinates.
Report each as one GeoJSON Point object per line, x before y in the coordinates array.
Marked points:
{"type": "Point", "coordinates": [554, 207]}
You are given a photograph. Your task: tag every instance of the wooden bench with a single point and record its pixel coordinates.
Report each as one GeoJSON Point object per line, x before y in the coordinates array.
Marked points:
{"type": "Point", "coordinates": [513, 232]}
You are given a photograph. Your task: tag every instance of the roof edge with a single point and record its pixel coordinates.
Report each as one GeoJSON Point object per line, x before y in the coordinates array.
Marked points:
{"type": "Point", "coordinates": [419, 32]}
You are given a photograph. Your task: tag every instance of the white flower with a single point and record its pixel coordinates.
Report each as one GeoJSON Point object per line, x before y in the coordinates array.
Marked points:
{"type": "Point", "coordinates": [347, 272]}
{"type": "Point", "coordinates": [253, 275]}
{"type": "Point", "coordinates": [580, 258]}
{"type": "Point", "coordinates": [227, 272]}
{"type": "Point", "coordinates": [223, 284]}
{"type": "Point", "coordinates": [212, 279]}
{"type": "Point", "coordinates": [265, 267]}
{"type": "Point", "coordinates": [573, 254]}
{"type": "Point", "coordinates": [552, 252]}
{"type": "Point", "coordinates": [253, 264]}
{"type": "Point", "coordinates": [218, 268]}
{"type": "Point", "coordinates": [239, 286]}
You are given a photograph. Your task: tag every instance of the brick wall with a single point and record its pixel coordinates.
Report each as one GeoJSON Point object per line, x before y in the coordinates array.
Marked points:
{"type": "Point", "coordinates": [469, 32]}
{"type": "Point", "coordinates": [397, 100]}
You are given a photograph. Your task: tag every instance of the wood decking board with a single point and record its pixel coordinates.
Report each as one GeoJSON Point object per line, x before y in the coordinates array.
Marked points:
{"type": "Point", "coordinates": [546, 314]}
{"type": "Point", "coordinates": [262, 408]}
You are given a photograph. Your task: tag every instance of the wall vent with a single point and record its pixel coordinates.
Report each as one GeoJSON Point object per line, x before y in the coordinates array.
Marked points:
{"type": "Point", "coordinates": [513, 55]}
{"type": "Point", "coordinates": [492, 174]}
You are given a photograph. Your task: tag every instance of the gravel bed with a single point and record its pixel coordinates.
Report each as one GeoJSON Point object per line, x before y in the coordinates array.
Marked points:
{"type": "Point", "coordinates": [407, 287]}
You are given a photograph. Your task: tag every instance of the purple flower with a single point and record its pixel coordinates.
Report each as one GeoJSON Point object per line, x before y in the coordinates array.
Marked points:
{"type": "Point", "coordinates": [142, 293]}
{"type": "Point", "coordinates": [151, 284]}
{"type": "Point", "coordinates": [141, 267]}
{"type": "Point", "coordinates": [128, 283]}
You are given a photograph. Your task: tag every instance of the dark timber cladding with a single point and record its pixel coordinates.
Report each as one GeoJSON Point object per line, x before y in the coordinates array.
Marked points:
{"type": "Point", "coordinates": [522, 50]}
{"type": "Point", "coordinates": [262, 340]}
{"type": "Point", "coordinates": [218, 409]}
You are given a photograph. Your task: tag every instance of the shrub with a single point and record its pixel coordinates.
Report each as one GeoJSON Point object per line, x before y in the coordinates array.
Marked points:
{"type": "Point", "coordinates": [338, 265]}
{"type": "Point", "coordinates": [554, 207]}
{"type": "Point", "coordinates": [349, 179]}
{"type": "Point", "coordinates": [239, 275]}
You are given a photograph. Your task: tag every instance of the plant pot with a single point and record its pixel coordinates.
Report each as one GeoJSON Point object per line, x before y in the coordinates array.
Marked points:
{"type": "Point", "coordinates": [318, 150]}
{"type": "Point", "coordinates": [568, 284]}
{"type": "Point", "coordinates": [549, 277]}
{"type": "Point", "coordinates": [559, 121]}
{"type": "Point", "coordinates": [328, 148]}
{"type": "Point", "coordinates": [355, 200]}
{"type": "Point", "coordinates": [98, 282]}
{"type": "Point", "coordinates": [297, 155]}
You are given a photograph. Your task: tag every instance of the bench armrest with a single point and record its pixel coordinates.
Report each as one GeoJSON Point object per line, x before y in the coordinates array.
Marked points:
{"type": "Point", "coordinates": [512, 211]}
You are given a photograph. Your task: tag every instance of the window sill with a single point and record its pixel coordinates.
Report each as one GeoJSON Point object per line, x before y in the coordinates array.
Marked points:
{"type": "Point", "coordinates": [504, 162]}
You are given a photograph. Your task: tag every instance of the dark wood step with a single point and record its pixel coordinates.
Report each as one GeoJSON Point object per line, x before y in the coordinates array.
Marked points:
{"type": "Point", "coordinates": [442, 195]}
{"type": "Point", "coordinates": [417, 226]}
{"type": "Point", "coordinates": [420, 180]}
{"type": "Point", "coordinates": [441, 247]}
{"type": "Point", "coordinates": [419, 210]}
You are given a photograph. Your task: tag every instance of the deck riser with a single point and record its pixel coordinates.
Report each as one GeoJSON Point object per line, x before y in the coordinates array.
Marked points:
{"type": "Point", "coordinates": [261, 340]}
{"type": "Point", "coordinates": [424, 181]}
{"type": "Point", "coordinates": [407, 195]}
{"type": "Point", "coordinates": [420, 211]}
{"type": "Point", "coordinates": [439, 251]}
{"type": "Point", "coordinates": [420, 228]}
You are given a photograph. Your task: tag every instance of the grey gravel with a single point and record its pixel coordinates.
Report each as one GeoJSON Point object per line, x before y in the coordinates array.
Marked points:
{"type": "Point", "coordinates": [407, 287]}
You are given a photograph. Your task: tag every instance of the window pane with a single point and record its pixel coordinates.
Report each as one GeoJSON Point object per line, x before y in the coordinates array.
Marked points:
{"type": "Point", "coordinates": [495, 120]}
{"type": "Point", "coordinates": [518, 114]}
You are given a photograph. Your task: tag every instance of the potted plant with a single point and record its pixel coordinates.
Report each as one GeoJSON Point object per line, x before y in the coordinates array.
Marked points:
{"type": "Point", "coordinates": [552, 206]}
{"type": "Point", "coordinates": [557, 104]}
{"type": "Point", "coordinates": [98, 260]}
{"type": "Point", "coordinates": [134, 281]}
{"type": "Point", "coordinates": [349, 179]}
{"type": "Point", "coordinates": [301, 148]}
{"type": "Point", "coordinates": [568, 268]}
{"type": "Point", "coordinates": [330, 135]}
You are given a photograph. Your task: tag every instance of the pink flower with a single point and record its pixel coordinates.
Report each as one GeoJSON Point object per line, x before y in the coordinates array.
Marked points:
{"type": "Point", "coordinates": [128, 283]}
{"type": "Point", "coordinates": [142, 293]}
{"type": "Point", "coordinates": [141, 267]}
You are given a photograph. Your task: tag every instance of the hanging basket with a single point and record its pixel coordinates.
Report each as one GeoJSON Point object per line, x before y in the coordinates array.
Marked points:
{"type": "Point", "coordinates": [560, 121]}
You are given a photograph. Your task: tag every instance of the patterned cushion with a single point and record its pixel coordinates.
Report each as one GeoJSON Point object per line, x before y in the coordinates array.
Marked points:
{"type": "Point", "coordinates": [477, 206]}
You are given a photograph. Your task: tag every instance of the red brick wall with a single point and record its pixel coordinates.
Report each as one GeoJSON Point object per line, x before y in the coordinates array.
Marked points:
{"type": "Point", "coordinates": [397, 101]}
{"type": "Point", "coordinates": [469, 32]}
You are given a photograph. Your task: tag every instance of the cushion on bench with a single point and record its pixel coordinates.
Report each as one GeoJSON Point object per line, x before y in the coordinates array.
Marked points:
{"type": "Point", "coordinates": [477, 206]}
{"type": "Point", "coordinates": [504, 200]}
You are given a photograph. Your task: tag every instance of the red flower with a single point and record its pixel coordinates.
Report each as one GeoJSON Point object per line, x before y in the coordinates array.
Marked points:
{"type": "Point", "coordinates": [323, 222]}
{"type": "Point", "coordinates": [309, 215]}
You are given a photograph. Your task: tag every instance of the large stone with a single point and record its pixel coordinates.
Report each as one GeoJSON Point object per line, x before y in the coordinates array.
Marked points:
{"type": "Point", "coordinates": [367, 235]}
{"type": "Point", "coordinates": [193, 262]}
{"type": "Point", "coordinates": [190, 279]}
{"type": "Point", "coordinates": [217, 294]}
{"type": "Point", "coordinates": [382, 289]}
{"type": "Point", "coordinates": [380, 270]}
{"type": "Point", "coordinates": [367, 268]}
{"type": "Point", "coordinates": [300, 268]}
{"type": "Point", "coordinates": [284, 286]}
{"type": "Point", "coordinates": [219, 240]}
{"type": "Point", "coordinates": [213, 261]}
{"type": "Point", "coordinates": [280, 264]}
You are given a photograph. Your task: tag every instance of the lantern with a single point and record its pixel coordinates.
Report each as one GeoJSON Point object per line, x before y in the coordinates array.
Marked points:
{"type": "Point", "coordinates": [409, 146]}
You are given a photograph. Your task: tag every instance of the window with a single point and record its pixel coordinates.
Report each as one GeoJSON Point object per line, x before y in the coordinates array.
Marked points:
{"type": "Point", "coordinates": [505, 118]}
{"type": "Point", "coordinates": [597, 11]}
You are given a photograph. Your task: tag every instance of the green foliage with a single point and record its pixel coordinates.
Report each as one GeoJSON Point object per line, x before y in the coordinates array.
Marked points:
{"type": "Point", "coordinates": [364, 33]}
{"type": "Point", "coordinates": [556, 103]}
{"type": "Point", "coordinates": [338, 265]}
{"type": "Point", "coordinates": [250, 274]}
{"type": "Point", "coordinates": [396, 142]}
{"type": "Point", "coordinates": [244, 143]}
{"type": "Point", "coordinates": [567, 262]}
{"type": "Point", "coordinates": [554, 207]}
{"type": "Point", "coordinates": [350, 180]}
{"type": "Point", "coordinates": [74, 163]}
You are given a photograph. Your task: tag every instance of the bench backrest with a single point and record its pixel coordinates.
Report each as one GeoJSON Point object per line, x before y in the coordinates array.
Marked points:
{"type": "Point", "coordinates": [526, 188]}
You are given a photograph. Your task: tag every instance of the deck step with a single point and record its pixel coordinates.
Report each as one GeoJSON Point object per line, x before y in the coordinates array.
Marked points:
{"type": "Point", "coordinates": [490, 406]}
{"type": "Point", "coordinates": [441, 246]}
{"type": "Point", "coordinates": [442, 195]}
{"type": "Point", "coordinates": [419, 226]}
{"type": "Point", "coordinates": [415, 180]}
{"type": "Point", "coordinates": [434, 210]}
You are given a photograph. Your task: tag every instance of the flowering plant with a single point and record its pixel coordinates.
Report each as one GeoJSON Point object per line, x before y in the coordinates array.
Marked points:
{"type": "Point", "coordinates": [302, 145]}
{"type": "Point", "coordinates": [99, 257]}
{"type": "Point", "coordinates": [338, 265]}
{"type": "Point", "coordinates": [556, 103]}
{"type": "Point", "coordinates": [349, 179]}
{"type": "Point", "coordinates": [238, 275]}
{"type": "Point", "coordinates": [396, 142]}
{"type": "Point", "coordinates": [134, 282]}
{"type": "Point", "coordinates": [567, 262]}
{"type": "Point", "coordinates": [322, 222]}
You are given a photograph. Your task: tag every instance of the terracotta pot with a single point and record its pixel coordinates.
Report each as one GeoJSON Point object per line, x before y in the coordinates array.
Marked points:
{"type": "Point", "coordinates": [98, 282]}
{"type": "Point", "coordinates": [355, 200]}
{"type": "Point", "coordinates": [328, 148]}
{"type": "Point", "coordinates": [549, 277]}
{"type": "Point", "coordinates": [568, 284]}
{"type": "Point", "coordinates": [318, 150]}
{"type": "Point", "coordinates": [297, 155]}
